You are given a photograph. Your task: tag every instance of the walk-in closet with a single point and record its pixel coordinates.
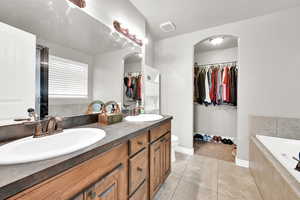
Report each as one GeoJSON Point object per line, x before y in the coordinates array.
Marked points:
{"type": "Point", "coordinates": [215, 97]}
{"type": "Point", "coordinates": [132, 87]}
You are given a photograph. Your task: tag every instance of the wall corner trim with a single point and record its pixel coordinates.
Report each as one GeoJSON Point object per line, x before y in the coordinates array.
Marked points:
{"type": "Point", "coordinates": [242, 163]}
{"type": "Point", "coordinates": [185, 150]}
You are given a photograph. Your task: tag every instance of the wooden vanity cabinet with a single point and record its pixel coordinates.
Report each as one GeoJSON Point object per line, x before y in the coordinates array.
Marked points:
{"type": "Point", "coordinates": [99, 172]}
{"type": "Point", "coordinates": [134, 170]}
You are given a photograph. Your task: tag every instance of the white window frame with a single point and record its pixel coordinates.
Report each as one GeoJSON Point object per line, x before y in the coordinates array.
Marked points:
{"type": "Point", "coordinates": [85, 78]}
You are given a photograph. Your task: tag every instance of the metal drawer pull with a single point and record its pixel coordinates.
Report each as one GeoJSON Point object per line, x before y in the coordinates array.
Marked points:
{"type": "Point", "coordinates": [140, 143]}
{"type": "Point", "coordinates": [92, 194]}
{"type": "Point", "coordinates": [139, 169]}
{"type": "Point", "coordinates": [106, 192]}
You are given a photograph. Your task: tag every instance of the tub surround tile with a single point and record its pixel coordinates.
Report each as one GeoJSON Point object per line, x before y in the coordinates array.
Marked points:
{"type": "Point", "coordinates": [288, 123]}
{"type": "Point", "coordinates": [272, 133]}
{"type": "Point", "coordinates": [263, 123]}
{"type": "Point", "coordinates": [273, 181]}
{"type": "Point", "coordinates": [289, 128]}
{"type": "Point", "coordinates": [275, 127]}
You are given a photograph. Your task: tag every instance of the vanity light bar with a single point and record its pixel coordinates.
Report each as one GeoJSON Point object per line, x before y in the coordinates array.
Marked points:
{"type": "Point", "coordinates": [79, 3]}
{"type": "Point", "coordinates": [125, 32]}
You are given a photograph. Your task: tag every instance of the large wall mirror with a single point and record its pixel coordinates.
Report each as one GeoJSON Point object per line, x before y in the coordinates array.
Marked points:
{"type": "Point", "coordinates": [58, 59]}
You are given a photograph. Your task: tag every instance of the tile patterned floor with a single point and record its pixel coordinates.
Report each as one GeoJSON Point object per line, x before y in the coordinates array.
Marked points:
{"type": "Point", "coordinates": [203, 178]}
{"type": "Point", "coordinates": [215, 150]}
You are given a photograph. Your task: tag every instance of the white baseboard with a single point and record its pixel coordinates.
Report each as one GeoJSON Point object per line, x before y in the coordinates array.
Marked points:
{"type": "Point", "coordinates": [242, 163]}
{"type": "Point", "coordinates": [185, 150]}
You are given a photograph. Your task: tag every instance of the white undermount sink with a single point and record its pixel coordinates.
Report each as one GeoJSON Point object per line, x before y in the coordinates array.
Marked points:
{"type": "Point", "coordinates": [31, 149]}
{"type": "Point", "coordinates": [143, 118]}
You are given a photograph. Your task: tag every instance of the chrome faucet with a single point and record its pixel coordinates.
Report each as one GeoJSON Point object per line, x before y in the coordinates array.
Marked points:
{"type": "Point", "coordinates": [54, 125]}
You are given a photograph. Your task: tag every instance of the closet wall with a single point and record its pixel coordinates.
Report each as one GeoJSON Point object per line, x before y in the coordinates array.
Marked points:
{"type": "Point", "coordinates": [132, 66]}
{"type": "Point", "coordinates": [217, 56]}
{"type": "Point", "coordinates": [216, 120]}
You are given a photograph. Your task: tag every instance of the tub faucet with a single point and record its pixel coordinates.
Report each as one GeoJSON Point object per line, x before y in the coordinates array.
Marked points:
{"type": "Point", "coordinates": [298, 165]}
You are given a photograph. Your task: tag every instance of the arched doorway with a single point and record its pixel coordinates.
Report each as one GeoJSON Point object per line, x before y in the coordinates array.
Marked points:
{"type": "Point", "coordinates": [132, 93]}
{"type": "Point", "coordinates": [215, 97]}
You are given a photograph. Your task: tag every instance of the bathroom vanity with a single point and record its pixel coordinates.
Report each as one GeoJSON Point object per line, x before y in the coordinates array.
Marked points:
{"type": "Point", "coordinates": [131, 162]}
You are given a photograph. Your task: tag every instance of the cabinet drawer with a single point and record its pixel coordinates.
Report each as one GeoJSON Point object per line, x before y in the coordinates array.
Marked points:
{"type": "Point", "coordinates": [138, 170]}
{"type": "Point", "coordinates": [138, 143]}
{"type": "Point", "coordinates": [160, 131]}
{"type": "Point", "coordinates": [141, 193]}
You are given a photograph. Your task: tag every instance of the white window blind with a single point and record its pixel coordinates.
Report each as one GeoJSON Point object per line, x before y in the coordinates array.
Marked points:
{"type": "Point", "coordinates": [67, 78]}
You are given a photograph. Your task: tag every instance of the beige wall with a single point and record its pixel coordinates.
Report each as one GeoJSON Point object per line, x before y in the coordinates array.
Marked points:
{"type": "Point", "coordinates": [268, 76]}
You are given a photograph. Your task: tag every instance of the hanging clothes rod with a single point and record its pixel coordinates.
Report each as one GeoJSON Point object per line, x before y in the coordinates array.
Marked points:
{"type": "Point", "coordinates": [233, 62]}
{"type": "Point", "coordinates": [133, 73]}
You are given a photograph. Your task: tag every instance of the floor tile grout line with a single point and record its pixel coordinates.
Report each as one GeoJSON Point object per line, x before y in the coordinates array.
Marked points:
{"type": "Point", "coordinates": [180, 179]}
{"type": "Point", "coordinates": [218, 173]}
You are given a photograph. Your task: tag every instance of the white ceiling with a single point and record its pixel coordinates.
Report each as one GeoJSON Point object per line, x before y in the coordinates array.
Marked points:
{"type": "Point", "coordinates": [192, 15]}
{"type": "Point", "coordinates": [228, 42]}
{"type": "Point", "coordinates": [55, 21]}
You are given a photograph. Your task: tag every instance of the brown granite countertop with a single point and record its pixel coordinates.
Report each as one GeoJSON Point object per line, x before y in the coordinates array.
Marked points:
{"type": "Point", "coordinates": [16, 178]}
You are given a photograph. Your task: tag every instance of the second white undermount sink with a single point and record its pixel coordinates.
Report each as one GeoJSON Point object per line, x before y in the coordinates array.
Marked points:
{"type": "Point", "coordinates": [31, 149]}
{"type": "Point", "coordinates": [143, 118]}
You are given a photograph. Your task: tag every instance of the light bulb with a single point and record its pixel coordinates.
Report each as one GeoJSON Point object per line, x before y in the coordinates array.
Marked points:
{"type": "Point", "coordinates": [146, 40]}
{"type": "Point", "coordinates": [216, 41]}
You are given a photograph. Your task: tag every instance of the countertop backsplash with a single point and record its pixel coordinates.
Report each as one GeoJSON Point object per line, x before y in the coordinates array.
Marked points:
{"type": "Point", "coordinates": [18, 130]}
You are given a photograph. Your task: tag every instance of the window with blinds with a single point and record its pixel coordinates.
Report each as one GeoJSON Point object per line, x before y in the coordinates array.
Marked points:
{"type": "Point", "coordinates": [67, 78]}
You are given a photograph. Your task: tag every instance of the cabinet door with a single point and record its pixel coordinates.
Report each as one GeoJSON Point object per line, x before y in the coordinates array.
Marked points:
{"type": "Point", "coordinates": [110, 187]}
{"type": "Point", "coordinates": [156, 156]}
{"type": "Point", "coordinates": [167, 155]}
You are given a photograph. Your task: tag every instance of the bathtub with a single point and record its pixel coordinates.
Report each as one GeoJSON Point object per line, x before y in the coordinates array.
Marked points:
{"type": "Point", "coordinates": [283, 150]}
{"type": "Point", "coordinates": [273, 167]}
